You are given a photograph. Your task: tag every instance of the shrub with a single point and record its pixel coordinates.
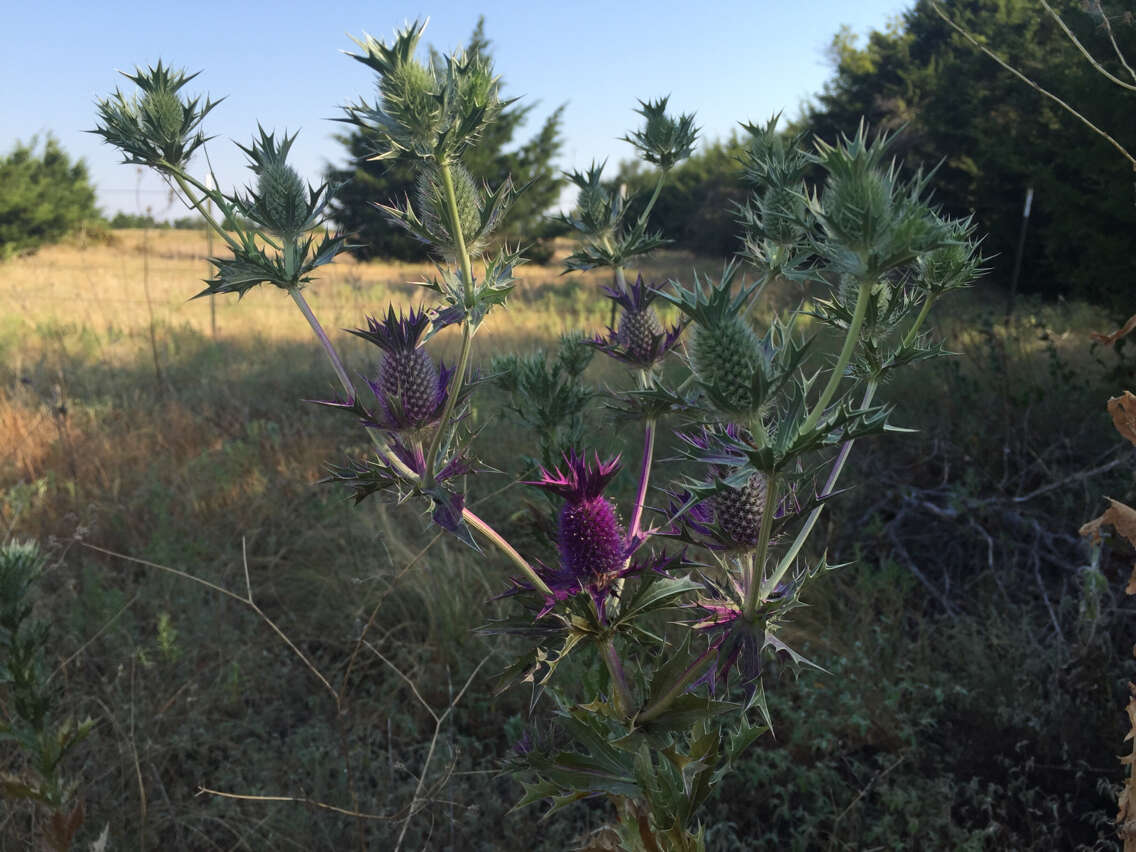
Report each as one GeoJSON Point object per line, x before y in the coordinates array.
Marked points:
{"type": "Point", "coordinates": [43, 196]}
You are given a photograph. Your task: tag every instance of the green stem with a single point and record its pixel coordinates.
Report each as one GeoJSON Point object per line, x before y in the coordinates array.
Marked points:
{"type": "Point", "coordinates": [451, 400]}
{"type": "Point", "coordinates": [914, 330]}
{"type": "Point", "coordinates": [467, 328]}
{"type": "Point", "coordinates": [770, 583]}
{"type": "Point", "coordinates": [654, 197]}
{"type": "Point", "coordinates": [850, 341]}
{"type": "Point", "coordinates": [621, 692]}
{"type": "Point", "coordinates": [183, 181]}
{"type": "Point", "coordinates": [694, 671]}
{"type": "Point", "coordinates": [757, 566]}
{"type": "Point", "coordinates": [456, 229]}
{"type": "Point", "coordinates": [497, 539]}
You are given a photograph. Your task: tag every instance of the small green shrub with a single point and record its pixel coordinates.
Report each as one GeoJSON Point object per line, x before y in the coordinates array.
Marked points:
{"type": "Point", "coordinates": [43, 196]}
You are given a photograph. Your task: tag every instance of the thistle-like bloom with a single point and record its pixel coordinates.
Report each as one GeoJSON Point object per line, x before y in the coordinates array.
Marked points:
{"type": "Point", "coordinates": [411, 391]}
{"type": "Point", "coordinates": [640, 339]}
{"type": "Point", "coordinates": [730, 518]}
{"type": "Point", "coordinates": [728, 515]}
{"type": "Point", "coordinates": [593, 549]}
{"type": "Point", "coordinates": [591, 539]}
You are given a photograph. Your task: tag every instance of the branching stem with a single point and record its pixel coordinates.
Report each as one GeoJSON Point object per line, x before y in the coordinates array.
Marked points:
{"type": "Point", "coordinates": [909, 338]}
{"type": "Point", "coordinates": [770, 584]}
{"type": "Point", "coordinates": [482, 527]}
{"type": "Point", "coordinates": [694, 671]}
{"type": "Point", "coordinates": [182, 180]}
{"type": "Point", "coordinates": [754, 587]}
{"type": "Point", "coordinates": [850, 341]}
{"type": "Point", "coordinates": [644, 477]}
{"type": "Point", "coordinates": [621, 692]}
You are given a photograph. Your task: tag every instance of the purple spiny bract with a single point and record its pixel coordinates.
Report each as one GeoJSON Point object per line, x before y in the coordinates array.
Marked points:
{"type": "Point", "coordinates": [640, 339]}
{"type": "Point", "coordinates": [410, 389]}
{"type": "Point", "coordinates": [590, 537]}
{"type": "Point", "coordinates": [729, 516]}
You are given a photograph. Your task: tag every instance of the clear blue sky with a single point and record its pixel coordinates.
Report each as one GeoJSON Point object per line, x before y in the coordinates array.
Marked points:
{"type": "Point", "coordinates": [281, 63]}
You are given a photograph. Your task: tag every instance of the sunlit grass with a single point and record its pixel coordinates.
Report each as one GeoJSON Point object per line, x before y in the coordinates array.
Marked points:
{"type": "Point", "coordinates": [160, 442]}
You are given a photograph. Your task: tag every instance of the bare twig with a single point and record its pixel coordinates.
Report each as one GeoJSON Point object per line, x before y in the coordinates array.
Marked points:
{"type": "Point", "coordinates": [344, 685]}
{"type": "Point", "coordinates": [301, 800]}
{"type": "Point", "coordinates": [439, 719]}
{"type": "Point", "coordinates": [247, 601]}
{"type": "Point", "coordinates": [137, 768]}
{"type": "Point", "coordinates": [1063, 104]}
{"type": "Point", "coordinates": [1112, 38]}
{"type": "Point", "coordinates": [98, 633]}
{"type": "Point", "coordinates": [1084, 51]}
{"type": "Point", "coordinates": [863, 792]}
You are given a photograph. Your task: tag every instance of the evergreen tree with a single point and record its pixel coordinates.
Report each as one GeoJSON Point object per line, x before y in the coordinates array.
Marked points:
{"type": "Point", "coordinates": [994, 137]}
{"type": "Point", "coordinates": [43, 196]}
{"type": "Point", "coordinates": [365, 182]}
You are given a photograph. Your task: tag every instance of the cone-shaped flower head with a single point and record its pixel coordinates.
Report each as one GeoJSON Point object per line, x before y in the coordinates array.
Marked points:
{"type": "Point", "coordinates": [590, 537]}
{"type": "Point", "coordinates": [724, 511]}
{"type": "Point", "coordinates": [280, 203]}
{"type": "Point", "coordinates": [640, 338]}
{"type": "Point", "coordinates": [410, 389]}
{"type": "Point", "coordinates": [738, 511]}
{"type": "Point", "coordinates": [725, 353]}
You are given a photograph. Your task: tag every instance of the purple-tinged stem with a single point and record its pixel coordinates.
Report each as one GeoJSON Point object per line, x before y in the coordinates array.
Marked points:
{"type": "Point", "coordinates": [332, 355]}
{"type": "Point", "coordinates": [482, 527]}
{"type": "Point", "coordinates": [644, 477]}
{"type": "Point", "coordinates": [624, 701]}
{"type": "Point", "coordinates": [348, 388]}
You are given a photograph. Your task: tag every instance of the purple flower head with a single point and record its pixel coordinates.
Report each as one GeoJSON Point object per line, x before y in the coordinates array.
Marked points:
{"type": "Point", "coordinates": [565, 583]}
{"type": "Point", "coordinates": [640, 339]}
{"type": "Point", "coordinates": [411, 391]}
{"type": "Point", "coordinates": [590, 537]}
{"type": "Point", "coordinates": [723, 511]}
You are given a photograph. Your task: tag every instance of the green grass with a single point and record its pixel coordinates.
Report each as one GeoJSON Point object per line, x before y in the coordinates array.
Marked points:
{"type": "Point", "coordinates": [980, 707]}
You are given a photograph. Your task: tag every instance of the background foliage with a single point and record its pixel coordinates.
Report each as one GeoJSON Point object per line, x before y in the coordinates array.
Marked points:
{"type": "Point", "coordinates": [991, 136]}
{"type": "Point", "coordinates": [43, 196]}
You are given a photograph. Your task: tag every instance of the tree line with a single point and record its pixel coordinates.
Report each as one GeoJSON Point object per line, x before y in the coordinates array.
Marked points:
{"type": "Point", "coordinates": [989, 137]}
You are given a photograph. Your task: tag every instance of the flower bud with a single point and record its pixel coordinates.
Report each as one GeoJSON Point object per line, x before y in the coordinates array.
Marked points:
{"type": "Point", "coordinates": [639, 331]}
{"type": "Point", "coordinates": [282, 195]}
{"type": "Point", "coordinates": [590, 537]}
{"type": "Point", "coordinates": [410, 378]}
{"type": "Point", "coordinates": [410, 389]}
{"type": "Point", "coordinates": [162, 110]}
{"type": "Point", "coordinates": [724, 355]}
{"type": "Point", "coordinates": [738, 511]}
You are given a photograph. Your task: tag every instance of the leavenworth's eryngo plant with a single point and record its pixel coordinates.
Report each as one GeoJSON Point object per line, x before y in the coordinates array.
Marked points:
{"type": "Point", "coordinates": [679, 596]}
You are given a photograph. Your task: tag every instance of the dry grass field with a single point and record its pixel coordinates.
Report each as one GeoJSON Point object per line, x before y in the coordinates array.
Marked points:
{"type": "Point", "coordinates": [125, 425]}
{"type": "Point", "coordinates": [113, 289]}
